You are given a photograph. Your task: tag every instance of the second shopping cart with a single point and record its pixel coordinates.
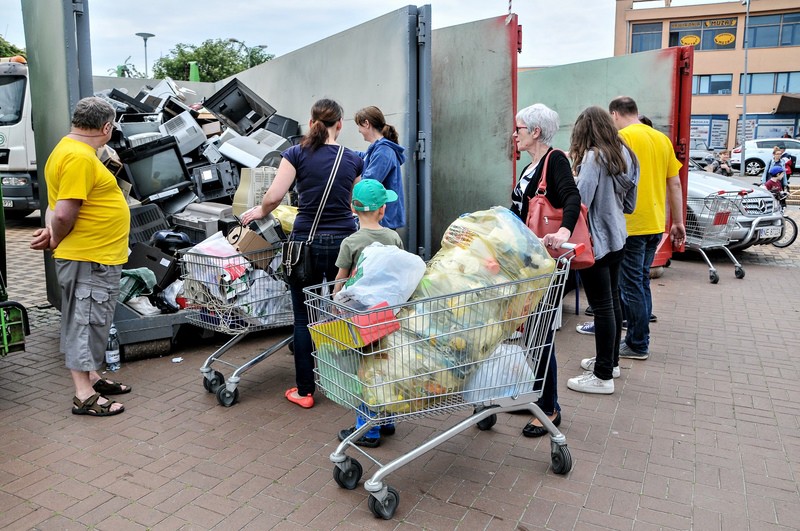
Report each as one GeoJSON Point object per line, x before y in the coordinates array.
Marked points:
{"type": "Point", "coordinates": [710, 221]}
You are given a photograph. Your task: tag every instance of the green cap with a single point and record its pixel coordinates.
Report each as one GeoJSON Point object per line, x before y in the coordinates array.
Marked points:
{"type": "Point", "coordinates": [369, 195]}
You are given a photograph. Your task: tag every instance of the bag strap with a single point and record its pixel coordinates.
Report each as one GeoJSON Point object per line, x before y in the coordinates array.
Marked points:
{"type": "Point", "coordinates": [326, 193]}
{"type": "Point", "coordinates": [541, 186]}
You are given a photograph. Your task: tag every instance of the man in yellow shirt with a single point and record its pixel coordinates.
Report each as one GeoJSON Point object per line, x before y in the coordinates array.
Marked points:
{"type": "Point", "coordinates": [658, 182]}
{"type": "Point", "coordinates": [86, 227]}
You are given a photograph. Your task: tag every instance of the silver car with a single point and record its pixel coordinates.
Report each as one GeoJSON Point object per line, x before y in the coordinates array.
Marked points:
{"type": "Point", "coordinates": [760, 219]}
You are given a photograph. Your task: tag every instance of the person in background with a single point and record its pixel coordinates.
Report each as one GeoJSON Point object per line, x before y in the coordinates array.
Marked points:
{"type": "Point", "coordinates": [382, 161]}
{"type": "Point", "coordinates": [309, 164]}
{"type": "Point", "coordinates": [775, 185]}
{"type": "Point", "coordinates": [370, 201]}
{"type": "Point", "coordinates": [533, 133]}
{"type": "Point", "coordinates": [87, 222]}
{"type": "Point", "coordinates": [658, 183]}
{"type": "Point", "coordinates": [778, 160]}
{"type": "Point", "coordinates": [720, 165]}
{"type": "Point", "coordinates": [607, 173]}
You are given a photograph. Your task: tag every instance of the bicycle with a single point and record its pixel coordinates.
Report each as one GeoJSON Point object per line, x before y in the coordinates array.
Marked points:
{"type": "Point", "coordinates": [789, 227]}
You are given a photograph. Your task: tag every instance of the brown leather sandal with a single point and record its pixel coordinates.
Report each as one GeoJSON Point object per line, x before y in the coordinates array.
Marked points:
{"type": "Point", "coordinates": [105, 387]}
{"type": "Point", "coordinates": [92, 408]}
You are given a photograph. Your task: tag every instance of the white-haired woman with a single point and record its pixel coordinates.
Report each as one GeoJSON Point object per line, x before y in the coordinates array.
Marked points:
{"type": "Point", "coordinates": [534, 131]}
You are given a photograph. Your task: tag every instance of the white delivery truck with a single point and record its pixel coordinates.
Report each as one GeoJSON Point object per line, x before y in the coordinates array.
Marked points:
{"type": "Point", "coordinates": [17, 150]}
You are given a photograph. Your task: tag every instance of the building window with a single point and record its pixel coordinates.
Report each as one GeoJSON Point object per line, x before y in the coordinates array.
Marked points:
{"type": "Point", "coordinates": [712, 84]}
{"type": "Point", "coordinates": [768, 31]}
{"type": "Point", "coordinates": [645, 37]}
{"type": "Point", "coordinates": [710, 34]}
{"type": "Point", "coordinates": [771, 83]}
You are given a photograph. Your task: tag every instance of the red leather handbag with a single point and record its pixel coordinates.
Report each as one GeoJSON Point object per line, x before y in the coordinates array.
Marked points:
{"type": "Point", "coordinates": [544, 218]}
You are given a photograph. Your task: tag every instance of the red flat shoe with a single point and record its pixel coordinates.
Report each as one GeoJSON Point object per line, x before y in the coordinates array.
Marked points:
{"type": "Point", "coordinates": [302, 401]}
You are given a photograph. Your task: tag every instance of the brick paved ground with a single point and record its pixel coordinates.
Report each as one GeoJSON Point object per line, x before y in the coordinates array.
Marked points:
{"type": "Point", "coordinates": [704, 435]}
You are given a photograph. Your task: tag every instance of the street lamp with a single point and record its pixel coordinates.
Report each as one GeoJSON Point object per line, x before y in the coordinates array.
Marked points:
{"type": "Point", "coordinates": [745, 89]}
{"type": "Point", "coordinates": [248, 49]}
{"type": "Point", "coordinates": [145, 36]}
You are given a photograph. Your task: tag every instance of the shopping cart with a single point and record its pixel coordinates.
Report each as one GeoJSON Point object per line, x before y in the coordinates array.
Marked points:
{"type": "Point", "coordinates": [436, 356]}
{"type": "Point", "coordinates": [710, 222]}
{"type": "Point", "coordinates": [235, 295]}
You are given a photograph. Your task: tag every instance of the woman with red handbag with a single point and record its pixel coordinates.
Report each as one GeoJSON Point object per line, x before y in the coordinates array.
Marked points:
{"type": "Point", "coordinates": [608, 173]}
{"type": "Point", "coordinates": [533, 133]}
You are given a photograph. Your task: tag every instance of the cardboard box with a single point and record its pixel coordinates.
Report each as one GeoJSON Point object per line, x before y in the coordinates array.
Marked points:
{"type": "Point", "coordinates": [254, 247]}
{"type": "Point", "coordinates": [163, 265]}
{"type": "Point", "coordinates": [212, 128]}
{"type": "Point", "coordinates": [358, 330]}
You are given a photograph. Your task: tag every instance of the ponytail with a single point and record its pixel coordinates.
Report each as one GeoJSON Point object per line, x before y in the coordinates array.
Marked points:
{"type": "Point", "coordinates": [324, 114]}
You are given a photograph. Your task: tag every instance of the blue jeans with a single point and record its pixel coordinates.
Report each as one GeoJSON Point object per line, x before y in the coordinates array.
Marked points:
{"type": "Point", "coordinates": [601, 283]}
{"type": "Point", "coordinates": [361, 418]}
{"type": "Point", "coordinates": [634, 283]}
{"type": "Point", "coordinates": [324, 250]}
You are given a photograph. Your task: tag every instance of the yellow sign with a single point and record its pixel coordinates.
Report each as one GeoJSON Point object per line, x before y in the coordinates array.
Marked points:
{"type": "Point", "coordinates": [690, 40]}
{"type": "Point", "coordinates": [723, 39]}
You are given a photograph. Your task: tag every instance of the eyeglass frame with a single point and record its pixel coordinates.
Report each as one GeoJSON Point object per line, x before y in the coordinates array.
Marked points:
{"type": "Point", "coordinates": [516, 129]}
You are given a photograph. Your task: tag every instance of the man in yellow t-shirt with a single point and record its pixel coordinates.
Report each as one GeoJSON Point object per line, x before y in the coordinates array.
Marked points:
{"type": "Point", "coordinates": [86, 227]}
{"type": "Point", "coordinates": [658, 182]}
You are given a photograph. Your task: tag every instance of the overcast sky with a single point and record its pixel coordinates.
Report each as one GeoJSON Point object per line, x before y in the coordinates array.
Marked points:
{"type": "Point", "coordinates": [554, 31]}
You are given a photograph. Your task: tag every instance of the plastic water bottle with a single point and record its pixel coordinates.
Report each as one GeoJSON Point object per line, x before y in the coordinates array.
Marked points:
{"type": "Point", "coordinates": [112, 350]}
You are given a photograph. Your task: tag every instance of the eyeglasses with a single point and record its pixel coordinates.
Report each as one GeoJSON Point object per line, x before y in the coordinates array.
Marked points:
{"type": "Point", "coordinates": [516, 129]}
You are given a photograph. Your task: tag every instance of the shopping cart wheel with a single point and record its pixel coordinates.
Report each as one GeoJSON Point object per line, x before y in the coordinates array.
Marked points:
{"type": "Point", "coordinates": [350, 476]}
{"type": "Point", "coordinates": [739, 272]}
{"type": "Point", "coordinates": [386, 509]}
{"type": "Point", "coordinates": [212, 385]}
{"type": "Point", "coordinates": [227, 398]}
{"type": "Point", "coordinates": [713, 277]}
{"type": "Point", "coordinates": [487, 423]}
{"type": "Point", "coordinates": [561, 460]}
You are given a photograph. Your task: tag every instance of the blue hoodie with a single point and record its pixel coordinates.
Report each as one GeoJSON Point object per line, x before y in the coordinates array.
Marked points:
{"type": "Point", "coordinates": [382, 162]}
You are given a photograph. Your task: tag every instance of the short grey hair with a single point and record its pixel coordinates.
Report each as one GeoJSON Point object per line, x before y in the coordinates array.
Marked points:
{"type": "Point", "coordinates": [93, 113]}
{"type": "Point", "coordinates": [543, 117]}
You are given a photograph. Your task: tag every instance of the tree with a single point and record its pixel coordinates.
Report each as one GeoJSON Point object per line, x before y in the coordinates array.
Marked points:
{"type": "Point", "coordinates": [216, 59]}
{"type": "Point", "coordinates": [9, 50]}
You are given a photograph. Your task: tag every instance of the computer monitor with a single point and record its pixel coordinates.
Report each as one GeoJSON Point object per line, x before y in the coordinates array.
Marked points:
{"type": "Point", "coordinates": [155, 168]}
{"type": "Point", "coordinates": [239, 107]}
{"type": "Point", "coordinates": [187, 133]}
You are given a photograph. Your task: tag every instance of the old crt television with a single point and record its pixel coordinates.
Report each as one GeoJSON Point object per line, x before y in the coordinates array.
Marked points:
{"type": "Point", "coordinates": [155, 168]}
{"type": "Point", "coordinates": [239, 107]}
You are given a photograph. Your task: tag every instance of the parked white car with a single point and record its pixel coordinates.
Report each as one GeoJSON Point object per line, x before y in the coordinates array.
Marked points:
{"type": "Point", "coordinates": [760, 220]}
{"type": "Point", "coordinates": [759, 152]}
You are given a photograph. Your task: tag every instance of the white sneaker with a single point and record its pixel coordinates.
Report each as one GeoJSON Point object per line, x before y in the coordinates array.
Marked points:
{"type": "Point", "coordinates": [589, 383]}
{"type": "Point", "coordinates": [588, 365]}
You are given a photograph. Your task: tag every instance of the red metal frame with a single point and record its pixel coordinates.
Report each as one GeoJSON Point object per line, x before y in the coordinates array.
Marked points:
{"type": "Point", "coordinates": [680, 130]}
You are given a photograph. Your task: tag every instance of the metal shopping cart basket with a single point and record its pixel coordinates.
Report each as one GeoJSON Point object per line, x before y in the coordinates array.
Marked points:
{"type": "Point", "coordinates": [436, 356]}
{"type": "Point", "coordinates": [235, 295]}
{"type": "Point", "coordinates": [710, 222]}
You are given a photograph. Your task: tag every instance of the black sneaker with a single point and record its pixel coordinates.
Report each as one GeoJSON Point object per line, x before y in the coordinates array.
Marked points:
{"type": "Point", "coordinates": [366, 442]}
{"type": "Point", "coordinates": [588, 311]}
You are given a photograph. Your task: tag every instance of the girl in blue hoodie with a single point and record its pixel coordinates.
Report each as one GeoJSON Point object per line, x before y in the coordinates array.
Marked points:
{"type": "Point", "coordinates": [382, 161]}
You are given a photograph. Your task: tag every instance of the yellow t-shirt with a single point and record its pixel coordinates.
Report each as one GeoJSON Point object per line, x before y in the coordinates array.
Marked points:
{"type": "Point", "coordinates": [657, 163]}
{"type": "Point", "coordinates": [100, 234]}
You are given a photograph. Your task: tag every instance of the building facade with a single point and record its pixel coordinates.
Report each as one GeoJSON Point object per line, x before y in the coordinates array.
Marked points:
{"type": "Point", "coordinates": [770, 50]}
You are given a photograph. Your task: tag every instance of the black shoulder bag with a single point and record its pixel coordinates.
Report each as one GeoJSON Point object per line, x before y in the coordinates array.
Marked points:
{"type": "Point", "coordinates": [296, 255]}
